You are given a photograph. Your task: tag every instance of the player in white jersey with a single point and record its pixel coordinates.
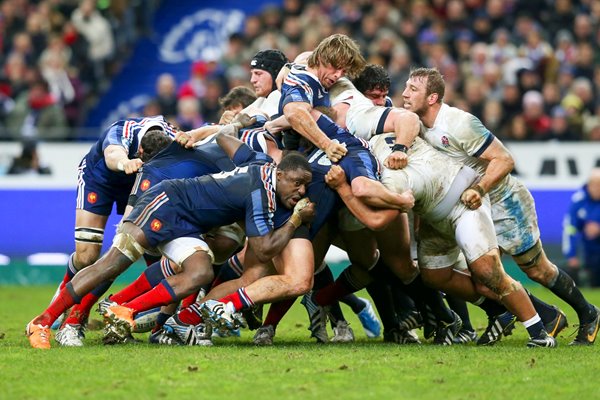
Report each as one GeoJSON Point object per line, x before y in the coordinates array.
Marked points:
{"type": "Point", "coordinates": [448, 227]}
{"type": "Point", "coordinates": [368, 116]}
{"type": "Point", "coordinates": [463, 137]}
{"type": "Point", "coordinates": [365, 109]}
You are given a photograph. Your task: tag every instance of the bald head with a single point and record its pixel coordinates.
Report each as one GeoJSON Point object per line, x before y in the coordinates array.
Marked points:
{"type": "Point", "coordinates": [594, 184]}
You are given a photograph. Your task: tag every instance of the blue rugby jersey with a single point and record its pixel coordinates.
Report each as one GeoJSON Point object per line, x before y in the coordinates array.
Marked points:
{"type": "Point", "coordinates": [177, 162]}
{"type": "Point", "coordinates": [583, 209]}
{"type": "Point", "coordinates": [246, 193]}
{"type": "Point", "coordinates": [357, 162]}
{"type": "Point", "coordinates": [127, 133]}
{"type": "Point", "coordinates": [302, 86]}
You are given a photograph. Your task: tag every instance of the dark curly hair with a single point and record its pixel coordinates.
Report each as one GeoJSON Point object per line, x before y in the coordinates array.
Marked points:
{"type": "Point", "coordinates": [372, 77]}
{"type": "Point", "coordinates": [152, 142]}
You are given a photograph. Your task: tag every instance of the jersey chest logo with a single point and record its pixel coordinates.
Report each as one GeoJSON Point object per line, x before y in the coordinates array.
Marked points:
{"type": "Point", "coordinates": [445, 141]}
{"type": "Point", "coordinates": [145, 185]}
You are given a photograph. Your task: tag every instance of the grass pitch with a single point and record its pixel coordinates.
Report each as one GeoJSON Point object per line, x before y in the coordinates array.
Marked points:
{"type": "Point", "coordinates": [294, 368]}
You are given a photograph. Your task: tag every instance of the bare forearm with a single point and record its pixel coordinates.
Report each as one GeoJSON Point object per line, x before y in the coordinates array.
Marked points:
{"type": "Point", "coordinates": [113, 155]}
{"type": "Point", "coordinates": [203, 132]}
{"type": "Point", "coordinates": [267, 247]}
{"type": "Point", "coordinates": [302, 122]}
{"type": "Point", "coordinates": [278, 124]}
{"type": "Point", "coordinates": [406, 127]}
{"type": "Point", "coordinates": [374, 194]}
{"type": "Point", "coordinates": [372, 218]}
{"type": "Point", "coordinates": [496, 170]}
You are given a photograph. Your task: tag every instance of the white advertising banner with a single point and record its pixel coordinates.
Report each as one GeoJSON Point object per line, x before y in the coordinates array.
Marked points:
{"type": "Point", "coordinates": [542, 166]}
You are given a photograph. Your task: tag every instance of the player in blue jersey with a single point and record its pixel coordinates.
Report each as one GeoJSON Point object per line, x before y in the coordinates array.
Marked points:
{"type": "Point", "coordinates": [171, 163]}
{"type": "Point", "coordinates": [359, 164]}
{"type": "Point", "coordinates": [105, 177]}
{"type": "Point", "coordinates": [185, 209]}
{"type": "Point", "coordinates": [582, 224]}
{"type": "Point", "coordinates": [306, 87]}
{"type": "Point", "coordinates": [294, 274]}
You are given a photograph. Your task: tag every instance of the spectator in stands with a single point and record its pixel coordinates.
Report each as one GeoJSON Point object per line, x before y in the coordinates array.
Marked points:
{"type": "Point", "coordinates": [209, 103]}
{"type": "Point", "coordinates": [37, 115]}
{"type": "Point", "coordinates": [53, 62]}
{"type": "Point", "coordinates": [559, 126]}
{"type": "Point", "coordinates": [501, 49]}
{"type": "Point", "coordinates": [22, 46]}
{"type": "Point", "coordinates": [28, 162]}
{"type": "Point", "coordinates": [582, 226]}
{"type": "Point", "coordinates": [188, 113]}
{"type": "Point", "coordinates": [166, 95]}
{"type": "Point", "coordinates": [492, 116]}
{"type": "Point", "coordinates": [16, 71]}
{"type": "Point", "coordinates": [537, 121]}
{"type": "Point", "coordinates": [97, 31]}
{"type": "Point", "coordinates": [196, 85]}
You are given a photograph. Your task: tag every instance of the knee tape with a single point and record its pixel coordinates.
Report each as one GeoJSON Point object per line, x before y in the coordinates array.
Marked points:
{"type": "Point", "coordinates": [127, 245]}
{"type": "Point", "coordinates": [531, 257]}
{"type": "Point", "coordinates": [89, 235]}
{"type": "Point", "coordinates": [233, 232]}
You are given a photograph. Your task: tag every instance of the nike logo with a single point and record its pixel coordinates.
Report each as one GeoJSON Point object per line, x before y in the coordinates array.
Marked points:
{"type": "Point", "coordinates": [592, 337]}
{"type": "Point", "coordinates": [553, 333]}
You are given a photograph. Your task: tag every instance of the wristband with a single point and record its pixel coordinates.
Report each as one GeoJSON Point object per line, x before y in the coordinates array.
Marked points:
{"type": "Point", "coordinates": [478, 189]}
{"type": "Point", "coordinates": [399, 147]}
{"type": "Point", "coordinates": [121, 166]}
{"type": "Point", "coordinates": [295, 220]}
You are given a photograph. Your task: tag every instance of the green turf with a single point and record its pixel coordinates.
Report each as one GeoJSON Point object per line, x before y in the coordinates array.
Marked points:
{"type": "Point", "coordinates": [294, 368]}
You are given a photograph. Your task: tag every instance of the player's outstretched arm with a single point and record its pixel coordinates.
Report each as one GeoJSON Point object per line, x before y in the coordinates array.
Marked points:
{"type": "Point", "coordinates": [298, 115]}
{"type": "Point", "coordinates": [277, 125]}
{"type": "Point", "coordinates": [373, 218]}
{"type": "Point", "coordinates": [189, 138]}
{"type": "Point", "coordinates": [501, 163]}
{"type": "Point", "coordinates": [406, 126]}
{"type": "Point", "coordinates": [116, 159]}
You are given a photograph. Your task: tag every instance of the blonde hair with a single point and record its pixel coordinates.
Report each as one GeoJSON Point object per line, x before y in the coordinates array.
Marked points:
{"type": "Point", "coordinates": [340, 52]}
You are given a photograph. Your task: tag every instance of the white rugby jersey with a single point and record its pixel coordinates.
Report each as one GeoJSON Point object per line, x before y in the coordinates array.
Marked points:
{"type": "Point", "coordinates": [344, 91]}
{"type": "Point", "coordinates": [463, 137]}
{"type": "Point", "coordinates": [429, 173]}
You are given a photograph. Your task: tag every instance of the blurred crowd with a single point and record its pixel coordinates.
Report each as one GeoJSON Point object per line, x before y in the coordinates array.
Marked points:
{"type": "Point", "coordinates": [58, 57]}
{"type": "Point", "coordinates": [527, 68]}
